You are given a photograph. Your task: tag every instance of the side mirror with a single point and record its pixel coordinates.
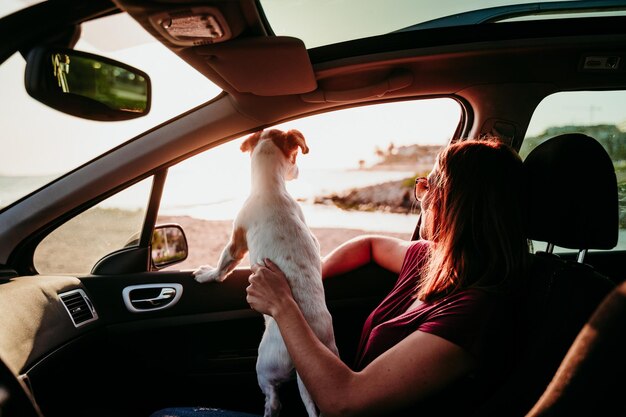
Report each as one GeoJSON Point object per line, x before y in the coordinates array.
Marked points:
{"type": "Point", "coordinates": [86, 85]}
{"type": "Point", "coordinates": [169, 245]}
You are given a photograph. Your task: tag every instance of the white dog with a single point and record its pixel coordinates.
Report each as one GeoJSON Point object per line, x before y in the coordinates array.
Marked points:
{"type": "Point", "coordinates": [271, 225]}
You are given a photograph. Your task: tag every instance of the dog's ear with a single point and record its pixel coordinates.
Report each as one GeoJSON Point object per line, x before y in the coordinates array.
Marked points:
{"type": "Point", "coordinates": [297, 138]}
{"type": "Point", "coordinates": [251, 141]}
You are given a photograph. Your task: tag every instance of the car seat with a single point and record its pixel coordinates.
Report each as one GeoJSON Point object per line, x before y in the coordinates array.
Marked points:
{"type": "Point", "coordinates": [572, 203]}
{"type": "Point", "coordinates": [590, 380]}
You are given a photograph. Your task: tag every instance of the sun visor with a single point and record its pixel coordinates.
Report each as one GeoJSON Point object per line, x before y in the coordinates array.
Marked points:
{"type": "Point", "coordinates": [264, 66]}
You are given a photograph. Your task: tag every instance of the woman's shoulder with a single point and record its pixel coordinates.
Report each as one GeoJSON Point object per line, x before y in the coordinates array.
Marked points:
{"type": "Point", "coordinates": [419, 245]}
{"type": "Point", "coordinates": [417, 250]}
{"type": "Point", "coordinates": [469, 306]}
{"type": "Point", "coordinates": [466, 316]}
{"type": "Point", "coordinates": [414, 260]}
{"type": "Point", "coordinates": [473, 293]}
{"type": "Point", "coordinates": [475, 298]}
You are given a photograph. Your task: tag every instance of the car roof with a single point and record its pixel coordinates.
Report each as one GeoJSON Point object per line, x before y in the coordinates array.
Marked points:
{"type": "Point", "coordinates": [439, 61]}
{"type": "Point", "coordinates": [337, 22]}
{"type": "Point", "coordinates": [253, 65]}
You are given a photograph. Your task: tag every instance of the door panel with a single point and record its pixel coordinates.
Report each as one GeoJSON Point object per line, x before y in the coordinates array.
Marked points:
{"type": "Point", "coordinates": [200, 352]}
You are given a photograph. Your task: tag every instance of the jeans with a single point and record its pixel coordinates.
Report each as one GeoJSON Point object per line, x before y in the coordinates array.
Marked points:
{"type": "Point", "coordinates": [199, 412]}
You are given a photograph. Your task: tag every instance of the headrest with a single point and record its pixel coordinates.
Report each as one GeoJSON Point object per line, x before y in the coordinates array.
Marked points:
{"type": "Point", "coordinates": [572, 193]}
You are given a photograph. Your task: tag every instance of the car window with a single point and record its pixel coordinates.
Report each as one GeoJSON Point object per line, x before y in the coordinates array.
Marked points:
{"type": "Point", "coordinates": [599, 114]}
{"type": "Point", "coordinates": [354, 19]}
{"type": "Point", "coordinates": [40, 144]}
{"type": "Point", "coordinates": [12, 6]}
{"type": "Point", "coordinates": [352, 152]}
{"type": "Point", "coordinates": [76, 246]}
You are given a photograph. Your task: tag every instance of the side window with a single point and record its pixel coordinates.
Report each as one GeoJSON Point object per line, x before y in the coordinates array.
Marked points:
{"type": "Point", "coordinates": [358, 177]}
{"type": "Point", "coordinates": [76, 246]}
{"type": "Point", "coordinates": [599, 114]}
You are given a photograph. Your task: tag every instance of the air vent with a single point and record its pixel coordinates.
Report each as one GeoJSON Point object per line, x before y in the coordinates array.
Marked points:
{"type": "Point", "coordinates": [79, 307]}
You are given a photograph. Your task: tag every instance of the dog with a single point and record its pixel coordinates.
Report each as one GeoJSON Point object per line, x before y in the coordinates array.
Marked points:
{"type": "Point", "coordinates": [271, 225]}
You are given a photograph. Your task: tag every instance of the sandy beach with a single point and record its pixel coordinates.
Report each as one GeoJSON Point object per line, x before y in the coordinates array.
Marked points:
{"type": "Point", "coordinates": [77, 246]}
{"type": "Point", "coordinates": [207, 238]}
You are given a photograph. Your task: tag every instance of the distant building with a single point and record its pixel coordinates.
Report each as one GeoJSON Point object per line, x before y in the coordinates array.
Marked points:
{"type": "Point", "coordinates": [418, 157]}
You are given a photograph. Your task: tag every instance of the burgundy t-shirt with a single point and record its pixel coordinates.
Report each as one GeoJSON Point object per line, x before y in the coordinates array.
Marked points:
{"type": "Point", "coordinates": [462, 318]}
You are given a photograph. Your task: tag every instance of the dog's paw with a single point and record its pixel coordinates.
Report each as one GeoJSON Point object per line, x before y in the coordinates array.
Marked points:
{"type": "Point", "coordinates": [207, 273]}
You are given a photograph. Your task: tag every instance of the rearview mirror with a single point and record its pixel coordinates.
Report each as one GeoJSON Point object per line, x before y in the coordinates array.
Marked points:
{"type": "Point", "coordinates": [169, 245]}
{"type": "Point", "coordinates": [87, 85]}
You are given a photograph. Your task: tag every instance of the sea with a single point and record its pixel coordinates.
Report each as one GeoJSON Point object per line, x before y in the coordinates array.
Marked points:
{"type": "Point", "coordinates": [222, 200]}
{"type": "Point", "coordinates": [186, 194]}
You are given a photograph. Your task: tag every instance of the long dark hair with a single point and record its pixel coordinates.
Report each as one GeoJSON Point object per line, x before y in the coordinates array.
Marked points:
{"type": "Point", "coordinates": [478, 232]}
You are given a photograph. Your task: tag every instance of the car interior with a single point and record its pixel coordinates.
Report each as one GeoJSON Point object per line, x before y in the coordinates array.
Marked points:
{"type": "Point", "coordinates": [131, 337]}
{"type": "Point", "coordinates": [561, 295]}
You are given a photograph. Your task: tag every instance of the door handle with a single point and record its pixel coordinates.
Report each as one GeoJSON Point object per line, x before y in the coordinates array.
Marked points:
{"type": "Point", "coordinates": [396, 81]}
{"type": "Point", "coordinates": [139, 298]}
{"type": "Point", "coordinates": [165, 295]}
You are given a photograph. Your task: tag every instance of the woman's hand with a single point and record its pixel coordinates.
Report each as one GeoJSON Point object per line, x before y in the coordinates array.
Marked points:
{"type": "Point", "coordinates": [269, 291]}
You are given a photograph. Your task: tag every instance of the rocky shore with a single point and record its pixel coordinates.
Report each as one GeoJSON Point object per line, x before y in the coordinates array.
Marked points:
{"type": "Point", "coordinates": [389, 197]}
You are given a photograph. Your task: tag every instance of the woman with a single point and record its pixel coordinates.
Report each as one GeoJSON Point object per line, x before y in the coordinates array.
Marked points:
{"type": "Point", "coordinates": [446, 317]}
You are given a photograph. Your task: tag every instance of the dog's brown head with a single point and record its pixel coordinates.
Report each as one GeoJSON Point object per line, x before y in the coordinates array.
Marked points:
{"type": "Point", "coordinates": [288, 142]}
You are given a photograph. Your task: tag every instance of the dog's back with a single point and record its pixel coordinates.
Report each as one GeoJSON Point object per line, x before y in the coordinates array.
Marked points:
{"type": "Point", "coordinates": [271, 226]}
{"type": "Point", "coordinates": [279, 232]}
{"type": "Point", "coordinates": [276, 230]}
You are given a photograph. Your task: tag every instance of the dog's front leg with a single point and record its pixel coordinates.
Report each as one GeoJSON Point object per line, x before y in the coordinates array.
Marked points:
{"type": "Point", "coordinates": [232, 254]}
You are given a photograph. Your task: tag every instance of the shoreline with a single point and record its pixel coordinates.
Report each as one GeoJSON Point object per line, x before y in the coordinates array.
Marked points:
{"type": "Point", "coordinates": [387, 197]}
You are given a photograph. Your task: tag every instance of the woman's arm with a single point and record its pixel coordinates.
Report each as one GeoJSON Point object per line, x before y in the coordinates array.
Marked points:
{"type": "Point", "coordinates": [414, 368]}
{"type": "Point", "coordinates": [387, 252]}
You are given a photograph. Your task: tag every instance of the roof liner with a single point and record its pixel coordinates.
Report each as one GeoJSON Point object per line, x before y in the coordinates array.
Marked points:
{"type": "Point", "coordinates": [267, 85]}
{"type": "Point", "coordinates": [239, 64]}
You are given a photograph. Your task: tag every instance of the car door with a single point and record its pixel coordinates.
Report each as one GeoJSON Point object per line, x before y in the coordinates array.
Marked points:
{"type": "Point", "coordinates": [197, 347]}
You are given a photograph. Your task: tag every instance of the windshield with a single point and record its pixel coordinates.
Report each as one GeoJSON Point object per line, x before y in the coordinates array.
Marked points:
{"type": "Point", "coordinates": [40, 144]}
{"type": "Point", "coordinates": [332, 21]}
{"type": "Point", "coordinates": [8, 7]}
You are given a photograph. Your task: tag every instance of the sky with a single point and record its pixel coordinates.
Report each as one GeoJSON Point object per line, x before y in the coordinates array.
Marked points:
{"type": "Point", "coordinates": [41, 141]}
